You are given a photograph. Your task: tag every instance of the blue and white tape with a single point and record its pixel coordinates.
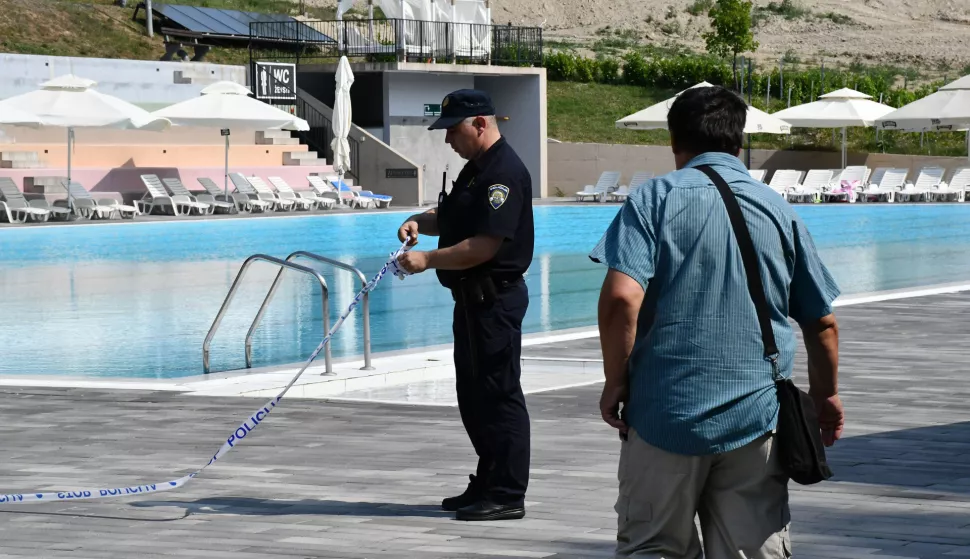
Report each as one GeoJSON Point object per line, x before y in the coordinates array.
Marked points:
{"type": "Point", "coordinates": [234, 438]}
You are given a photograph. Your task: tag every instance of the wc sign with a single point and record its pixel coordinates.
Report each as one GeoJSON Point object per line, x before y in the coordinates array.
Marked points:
{"type": "Point", "coordinates": [275, 80]}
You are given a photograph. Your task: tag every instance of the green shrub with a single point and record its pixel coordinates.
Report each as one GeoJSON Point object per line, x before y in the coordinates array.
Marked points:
{"type": "Point", "coordinates": [560, 66]}
{"type": "Point", "coordinates": [609, 70]}
{"type": "Point", "coordinates": [587, 70]}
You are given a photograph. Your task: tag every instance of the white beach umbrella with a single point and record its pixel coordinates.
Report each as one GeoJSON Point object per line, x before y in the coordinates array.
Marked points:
{"type": "Point", "coordinates": [227, 105]}
{"type": "Point", "coordinates": [341, 120]}
{"type": "Point", "coordinates": [655, 117]}
{"type": "Point", "coordinates": [947, 109]}
{"type": "Point", "coordinates": [839, 109]}
{"type": "Point", "coordinates": [70, 102]}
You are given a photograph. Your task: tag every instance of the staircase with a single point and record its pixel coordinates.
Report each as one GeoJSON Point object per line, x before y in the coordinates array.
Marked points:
{"type": "Point", "coordinates": [20, 160]}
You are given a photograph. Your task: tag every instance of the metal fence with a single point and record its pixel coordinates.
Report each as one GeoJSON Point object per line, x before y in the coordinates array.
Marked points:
{"type": "Point", "coordinates": [320, 135]}
{"type": "Point", "coordinates": [401, 40]}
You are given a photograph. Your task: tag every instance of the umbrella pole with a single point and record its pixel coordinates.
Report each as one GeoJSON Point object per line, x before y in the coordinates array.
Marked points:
{"type": "Point", "coordinates": [70, 139]}
{"type": "Point", "coordinates": [225, 176]}
{"type": "Point", "coordinates": [844, 149]}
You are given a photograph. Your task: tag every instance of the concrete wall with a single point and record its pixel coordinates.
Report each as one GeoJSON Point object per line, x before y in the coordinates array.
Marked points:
{"type": "Point", "coordinates": [375, 158]}
{"type": "Point", "coordinates": [522, 100]}
{"type": "Point", "coordinates": [406, 127]}
{"type": "Point", "coordinates": [573, 166]}
{"type": "Point", "coordinates": [148, 84]}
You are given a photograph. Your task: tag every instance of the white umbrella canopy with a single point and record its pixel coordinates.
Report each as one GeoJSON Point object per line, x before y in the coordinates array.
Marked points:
{"type": "Point", "coordinates": [227, 105]}
{"type": "Point", "coordinates": [70, 102]}
{"type": "Point", "coordinates": [655, 117]}
{"type": "Point", "coordinates": [947, 109]}
{"type": "Point", "coordinates": [12, 116]}
{"type": "Point", "coordinates": [839, 109]}
{"type": "Point", "coordinates": [342, 119]}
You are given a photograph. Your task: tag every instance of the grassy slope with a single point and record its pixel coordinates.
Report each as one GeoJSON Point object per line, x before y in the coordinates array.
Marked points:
{"type": "Point", "coordinates": [98, 28]}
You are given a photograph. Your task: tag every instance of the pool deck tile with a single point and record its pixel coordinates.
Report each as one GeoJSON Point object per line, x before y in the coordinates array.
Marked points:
{"type": "Point", "coordinates": [363, 480]}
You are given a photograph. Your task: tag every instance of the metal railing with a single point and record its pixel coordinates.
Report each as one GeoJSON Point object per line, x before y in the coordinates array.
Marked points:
{"type": "Point", "coordinates": [403, 40]}
{"type": "Point", "coordinates": [320, 135]}
{"type": "Point", "coordinates": [272, 290]}
{"type": "Point", "coordinates": [232, 292]}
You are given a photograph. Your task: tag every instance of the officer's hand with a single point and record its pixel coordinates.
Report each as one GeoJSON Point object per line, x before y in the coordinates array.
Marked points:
{"type": "Point", "coordinates": [414, 261]}
{"type": "Point", "coordinates": [409, 229]}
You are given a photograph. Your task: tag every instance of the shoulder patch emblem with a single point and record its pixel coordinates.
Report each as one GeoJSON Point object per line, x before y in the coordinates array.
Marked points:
{"type": "Point", "coordinates": [497, 194]}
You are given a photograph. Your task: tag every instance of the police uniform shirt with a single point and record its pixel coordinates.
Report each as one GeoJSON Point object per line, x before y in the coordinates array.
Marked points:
{"type": "Point", "coordinates": [492, 196]}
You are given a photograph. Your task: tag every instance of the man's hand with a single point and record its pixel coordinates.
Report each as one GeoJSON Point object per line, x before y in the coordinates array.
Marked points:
{"type": "Point", "coordinates": [831, 418]}
{"type": "Point", "coordinates": [613, 396]}
{"type": "Point", "coordinates": [408, 231]}
{"type": "Point", "coordinates": [414, 261]}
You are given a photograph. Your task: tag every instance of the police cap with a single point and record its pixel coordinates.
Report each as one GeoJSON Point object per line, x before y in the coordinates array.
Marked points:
{"type": "Point", "coordinates": [461, 104]}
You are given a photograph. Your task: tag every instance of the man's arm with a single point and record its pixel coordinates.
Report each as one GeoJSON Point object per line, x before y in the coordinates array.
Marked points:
{"type": "Point", "coordinates": [466, 254]}
{"type": "Point", "coordinates": [619, 306]}
{"type": "Point", "coordinates": [822, 346]}
{"type": "Point", "coordinates": [426, 223]}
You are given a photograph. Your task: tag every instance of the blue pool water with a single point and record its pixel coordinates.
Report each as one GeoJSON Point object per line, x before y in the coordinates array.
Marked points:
{"type": "Point", "coordinates": [136, 300]}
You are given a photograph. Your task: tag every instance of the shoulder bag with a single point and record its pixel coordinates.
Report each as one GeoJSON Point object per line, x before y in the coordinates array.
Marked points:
{"type": "Point", "coordinates": [798, 435]}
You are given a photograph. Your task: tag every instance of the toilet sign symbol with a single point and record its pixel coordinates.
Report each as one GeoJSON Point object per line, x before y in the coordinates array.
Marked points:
{"type": "Point", "coordinates": [262, 81]}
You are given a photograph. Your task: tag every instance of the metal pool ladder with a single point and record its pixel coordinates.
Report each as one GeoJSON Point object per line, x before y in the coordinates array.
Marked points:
{"type": "Point", "coordinates": [325, 292]}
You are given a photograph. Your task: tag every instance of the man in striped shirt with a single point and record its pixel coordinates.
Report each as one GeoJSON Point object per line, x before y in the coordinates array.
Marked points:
{"type": "Point", "coordinates": [683, 352]}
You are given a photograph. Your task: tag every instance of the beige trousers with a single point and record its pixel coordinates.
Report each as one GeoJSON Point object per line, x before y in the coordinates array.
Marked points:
{"type": "Point", "coordinates": [740, 497]}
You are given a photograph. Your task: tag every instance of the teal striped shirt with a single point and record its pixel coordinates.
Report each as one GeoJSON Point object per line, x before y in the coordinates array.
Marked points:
{"type": "Point", "coordinates": [699, 383]}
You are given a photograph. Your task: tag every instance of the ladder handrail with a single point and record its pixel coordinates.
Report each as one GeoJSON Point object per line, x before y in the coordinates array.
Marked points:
{"type": "Point", "coordinates": [235, 285]}
{"type": "Point", "coordinates": [337, 264]}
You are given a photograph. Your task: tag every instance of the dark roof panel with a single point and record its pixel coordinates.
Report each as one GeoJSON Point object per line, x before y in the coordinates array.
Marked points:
{"type": "Point", "coordinates": [236, 23]}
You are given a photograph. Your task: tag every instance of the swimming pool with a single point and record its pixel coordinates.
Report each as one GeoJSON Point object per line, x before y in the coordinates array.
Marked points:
{"type": "Point", "coordinates": [136, 300]}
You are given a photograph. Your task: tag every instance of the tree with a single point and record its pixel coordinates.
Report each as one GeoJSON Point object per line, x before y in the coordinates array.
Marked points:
{"type": "Point", "coordinates": [731, 31]}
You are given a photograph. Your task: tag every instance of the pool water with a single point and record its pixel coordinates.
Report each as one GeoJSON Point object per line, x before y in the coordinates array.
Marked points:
{"type": "Point", "coordinates": [136, 300]}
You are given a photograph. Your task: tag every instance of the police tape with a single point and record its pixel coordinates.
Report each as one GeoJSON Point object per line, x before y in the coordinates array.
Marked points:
{"type": "Point", "coordinates": [237, 436]}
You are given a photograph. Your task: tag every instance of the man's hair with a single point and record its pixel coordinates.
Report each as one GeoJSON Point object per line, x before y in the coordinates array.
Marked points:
{"type": "Point", "coordinates": [706, 119]}
{"type": "Point", "coordinates": [490, 119]}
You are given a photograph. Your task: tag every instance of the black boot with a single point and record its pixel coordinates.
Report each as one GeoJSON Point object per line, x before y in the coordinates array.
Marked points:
{"type": "Point", "coordinates": [487, 510]}
{"type": "Point", "coordinates": [473, 493]}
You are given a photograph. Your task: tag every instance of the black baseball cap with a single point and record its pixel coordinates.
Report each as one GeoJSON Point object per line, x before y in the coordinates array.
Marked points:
{"type": "Point", "coordinates": [461, 104]}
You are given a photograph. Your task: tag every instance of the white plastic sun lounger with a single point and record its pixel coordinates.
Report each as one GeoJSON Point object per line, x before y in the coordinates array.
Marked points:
{"type": "Point", "coordinates": [927, 181]}
{"type": "Point", "coordinates": [175, 186]}
{"type": "Point", "coordinates": [157, 197]}
{"type": "Point", "coordinates": [886, 183]}
{"type": "Point", "coordinates": [956, 187]}
{"type": "Point", "coordinates": [784, 181]}
{"type": "Point", "coordinates": [87, 206]}
{"type": "Point", "coordinates": [18, 209]}
{"type": "Point", "coordinates": [607, 183]}
{"type": "Point", "coordinates": [243, 202]}
{"type": "Point", "coordinates": [284, 191]}
{"type": "Point", "coordinates": [855, 176]}
{"type": "Point", "coordinates": [758, 174]}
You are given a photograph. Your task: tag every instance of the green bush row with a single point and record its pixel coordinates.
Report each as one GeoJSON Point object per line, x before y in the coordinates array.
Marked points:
{"type": "Point", "coordinates": [678, 72]}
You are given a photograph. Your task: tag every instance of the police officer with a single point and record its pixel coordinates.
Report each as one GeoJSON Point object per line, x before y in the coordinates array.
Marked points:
{"type": "Point", "coordinates": [485, 243]}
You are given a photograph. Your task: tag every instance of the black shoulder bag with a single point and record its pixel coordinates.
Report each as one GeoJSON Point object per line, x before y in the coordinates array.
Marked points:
{"type": "Point", "coordinates": [798, 436]}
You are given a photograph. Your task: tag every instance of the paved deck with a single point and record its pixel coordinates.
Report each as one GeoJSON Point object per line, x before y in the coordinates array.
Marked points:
{"type": "Point", "coordinates": [362, 480]}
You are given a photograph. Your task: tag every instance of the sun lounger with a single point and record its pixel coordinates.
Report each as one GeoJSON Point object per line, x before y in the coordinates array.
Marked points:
{"type": "Point", "coordinates": [267, 193]}
{"type": "Point", "coordinates": [886, 182]}
{"type": "Point", "coordinates": [175, 186]}
{"type": "Point", "coordinates": [243, 186]}
{"type": "Point", "coordinates": [379, 200]}
{"type": "Point", "coordinates": [783, 181]}
{"type": "Point", "coordinates": [636, 181]}
{"type": "Point", "coordinates": [607, 183]}
{"type": "Point", "coordinates": [927, 181]}
{"type": "Point", "coordinates": [243, 203]}
{"type": "Point", "coordinates": [284, 189]}
{"type": "Point", "coordinates": [324, 188]}
{"type": "Point", "coordinates": [959, 183]}
{"type": "Point", "coordinates": [848, 184]}
{"type": "Point", "coordinates": [15, 204]}
{"type": "Point", "coordinates": [758, 174]}
{"type": "Point", "coordinates": [87, 206]}
{"type": "Point", "coordinates": [157, 197]}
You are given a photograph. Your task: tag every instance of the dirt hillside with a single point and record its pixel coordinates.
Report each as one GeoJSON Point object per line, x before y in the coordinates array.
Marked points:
{"type": "Point", "coordinates": [924, 32]}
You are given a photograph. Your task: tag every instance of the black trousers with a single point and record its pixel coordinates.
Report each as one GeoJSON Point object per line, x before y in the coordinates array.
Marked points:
{"type": "Point", "coordinates": [488, 346]}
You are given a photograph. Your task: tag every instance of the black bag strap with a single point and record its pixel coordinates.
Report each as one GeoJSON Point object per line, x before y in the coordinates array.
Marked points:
{"type": "Point", "coordinates": [750, 259]}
